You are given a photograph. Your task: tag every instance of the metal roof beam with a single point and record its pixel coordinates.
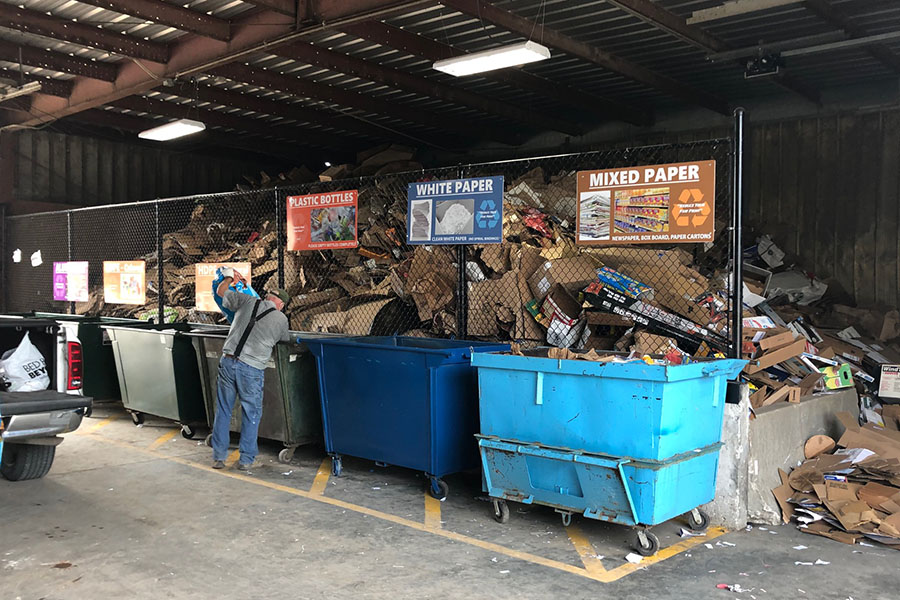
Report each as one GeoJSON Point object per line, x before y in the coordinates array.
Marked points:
{"type": "Point", "coordinates": [60, 88]}
{"type": "Point", "coordinates": [735, 8]}
{"type": "Point", "coordinates": [190, 55]}
{"type": "Point", "coordinates": [172, 15]}
{"type": "Point", "coordinates": [612, 62]}
{"type": "Point", "coordinates": [247, 125]}
{"type": "Point", "coordinates": [287, 110]}
{"type": "Point", "coordinates": [57, 61]}
{"type": "Point", "coordinates": [356, 101]}
{"type": "Point", "coordinates": [85, 34]}
{"type": "Point", "coordinates": [350, 65]}
{"type": "Point", "coordinates": [838, 19]}
{"type": "Point", "coordinates": [676, 25]}
{"type": "Point", "coordinates": [418, 45]}
{"type": "Point", "coordinates": [322, 11]}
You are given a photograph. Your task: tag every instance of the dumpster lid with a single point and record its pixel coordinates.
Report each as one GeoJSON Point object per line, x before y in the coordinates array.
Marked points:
{"type": "Point", "coordinates": [423, 345]}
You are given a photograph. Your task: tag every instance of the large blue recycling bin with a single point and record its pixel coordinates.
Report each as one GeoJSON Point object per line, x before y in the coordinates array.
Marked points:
{"type": "Point", "coordinates": [632, 409]}
{"type": "Point", "coordinates": [608, 488]}
{"type": "Point", "coordinates": [410, 402]}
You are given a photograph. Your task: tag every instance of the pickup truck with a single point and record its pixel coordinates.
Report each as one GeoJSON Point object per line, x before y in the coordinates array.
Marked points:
{"type": "Point", "coordinates": [30, 422]}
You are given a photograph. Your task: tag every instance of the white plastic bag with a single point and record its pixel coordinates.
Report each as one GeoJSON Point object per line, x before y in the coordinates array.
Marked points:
{"type": "Point", "coordinates": [24, 368]}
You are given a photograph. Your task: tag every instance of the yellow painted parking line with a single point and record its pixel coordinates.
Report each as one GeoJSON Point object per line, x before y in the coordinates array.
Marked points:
{"type": "Point", "coordinates": [432, 512]}
{"type": "Point", "coordinates": [163, 439]}
{"type": "Point", "coordinates": [232, 458]}
{"type": "Point", "coordinates": [592, 563]}
{"type": "Point", "coordinates": [669, 552]}
{"type": "Point", "coordinates": [95, 426]}
{"type": "Point", "coordinates": [321, 480]}
{"type": "Point", "coordinates": [603, 577]}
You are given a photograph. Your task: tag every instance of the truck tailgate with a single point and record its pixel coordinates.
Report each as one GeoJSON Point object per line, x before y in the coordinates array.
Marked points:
{"type": "Point", "coordinates": [26, 403]}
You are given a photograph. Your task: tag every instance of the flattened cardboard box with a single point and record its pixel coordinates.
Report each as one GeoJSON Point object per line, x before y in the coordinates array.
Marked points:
{"type": "Point", "coordinates": [572, 273]}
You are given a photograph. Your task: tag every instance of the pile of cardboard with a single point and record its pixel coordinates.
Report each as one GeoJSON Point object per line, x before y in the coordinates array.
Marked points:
{"type": "Point", "coordinates": [853, 493]}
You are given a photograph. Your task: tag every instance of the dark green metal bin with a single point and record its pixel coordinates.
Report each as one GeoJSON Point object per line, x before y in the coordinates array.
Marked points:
{"type": "Point", "coordinates": [291, 408]}
{"type": "Point", "coordinates": [158, 374]}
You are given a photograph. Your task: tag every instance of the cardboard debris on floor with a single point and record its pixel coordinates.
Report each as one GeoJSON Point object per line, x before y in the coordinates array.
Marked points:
{"type": "Point", "coordinates": [850, 494]}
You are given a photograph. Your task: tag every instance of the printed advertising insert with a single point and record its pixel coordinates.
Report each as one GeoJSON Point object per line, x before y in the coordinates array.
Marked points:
{"type": "Point", "coordinates": [205, 274]}
{"type": "Point", "coordinates": [70, 281]}
{"type": "Point", "coordinates": [673, 203]}
{"type": "Point", "coordinates": [124, 282]}
{"type": "Point", "coordinates": [459, 211]}
{"type": "Point", "coordinates": [321, 221]}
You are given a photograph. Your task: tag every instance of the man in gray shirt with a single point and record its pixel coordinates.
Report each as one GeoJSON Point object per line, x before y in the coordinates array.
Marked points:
{"type": "Point", "coordinates": [258, 325]}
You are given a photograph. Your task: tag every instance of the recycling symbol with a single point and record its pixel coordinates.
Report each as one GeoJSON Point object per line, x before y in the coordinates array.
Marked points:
{"type": "Point", "coordinates": [488, 215]}
{"type": "Point", "coordinates": [692, 197]}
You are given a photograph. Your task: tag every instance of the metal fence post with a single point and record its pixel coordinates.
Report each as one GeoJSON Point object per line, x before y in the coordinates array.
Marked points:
{"type": "Point", "coordinates": [160, 289]}
{"type": "Point", "coordinates": [737, 301]}
{"type": "Point", "coordinates": [68, 251]}
{"type": "Point", "coordinates": [280, 238]}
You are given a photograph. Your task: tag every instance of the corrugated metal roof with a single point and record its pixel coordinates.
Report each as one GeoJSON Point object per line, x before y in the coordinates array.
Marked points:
{"type": "Point", "coordinates": [596, 22]}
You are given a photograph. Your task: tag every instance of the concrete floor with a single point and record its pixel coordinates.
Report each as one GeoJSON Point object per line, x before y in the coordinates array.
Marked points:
{"type": "Point", "coordinates": [137, 513]}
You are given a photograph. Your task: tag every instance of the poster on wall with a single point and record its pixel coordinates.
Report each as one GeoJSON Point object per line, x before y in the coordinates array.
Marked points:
{"type": "Point", "coordinates": [70, 281]}
{"type": "Point", "coordinates": [321, 221]}
{"type": "Point", "coordinates": [672, 203]}
{"type": "Point", "coordinates": [459, 211]}
{"type": "Point", "coordinates": [124, 282]}
{"type": "Point", "coordinates": [205, 274]}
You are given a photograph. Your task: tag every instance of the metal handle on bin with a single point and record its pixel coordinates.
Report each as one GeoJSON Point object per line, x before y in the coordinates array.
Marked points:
{"type": "Point", "coordinates": [539, 388]}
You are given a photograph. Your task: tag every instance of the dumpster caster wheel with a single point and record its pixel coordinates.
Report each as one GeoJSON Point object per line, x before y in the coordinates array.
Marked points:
{"type": "Point", "coordinates": [645, 543]}
{"type": "Point", "coordinates": [336, 466]}
{"type": "Point", "coordinates": [438, 489]}
{"type": "Point", "coordinates": [137, 418]}
{"type": "Point", "coordinates": [698, 520]}
{"type": "Point", "coordinates": [501, 511]}
{"type": "Point", "coordinates": [88, 412]}
{"type": "Point", "coordinates": [187, 432]}
{"type": "Point", "coordinates": [286, 455]}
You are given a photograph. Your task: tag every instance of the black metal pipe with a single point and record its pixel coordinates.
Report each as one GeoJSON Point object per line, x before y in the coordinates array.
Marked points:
{"type": "Point", "coordinates": [160, 292]}
{"type": "Point", "coordinates": [737, 304]}
{"type": "Point", "coordinates": [69, 251]}
{"type": "Point", "coordinates": [462, 295]}
{"type": "Point", "coordinates": [280, 210]}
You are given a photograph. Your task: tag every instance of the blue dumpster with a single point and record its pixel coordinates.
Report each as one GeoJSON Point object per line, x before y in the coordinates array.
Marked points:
{"type": "Point", "coordinates": [626, 443]}
{"type": "Point", "coordinates": [410, 402]}
{"type": "Point", "coordinates": [622, 409]}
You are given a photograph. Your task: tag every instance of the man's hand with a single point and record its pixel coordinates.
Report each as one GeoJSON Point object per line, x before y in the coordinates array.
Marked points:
{"type": "Point", "coordinates": [227, 272]}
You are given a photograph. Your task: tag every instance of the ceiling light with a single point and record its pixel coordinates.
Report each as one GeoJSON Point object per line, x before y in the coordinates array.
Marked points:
{"type": "Point", "coordinates": [495, 58]}
{"type": "Point", "coordinates": [327, 164]}
{"type": "Point", "coordinates": [8, 93]}
{"type": "Point", "coordinates": [173, 130]}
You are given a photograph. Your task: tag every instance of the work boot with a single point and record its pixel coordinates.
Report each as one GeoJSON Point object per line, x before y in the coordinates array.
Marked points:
{"type": "Point", "coordinates": [219, 464]}
{"type": "Point", "coordinates": [248, 466]}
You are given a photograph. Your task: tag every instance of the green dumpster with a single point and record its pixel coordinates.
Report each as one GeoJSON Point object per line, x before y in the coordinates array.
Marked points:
{"type": "Point", "coordinates": [291, 408]}
{"type": "Point", "coordinates": [157, 372]}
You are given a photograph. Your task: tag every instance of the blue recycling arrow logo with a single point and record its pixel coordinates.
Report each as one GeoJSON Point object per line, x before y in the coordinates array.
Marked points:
{"type": "Point", "coordinates": [488, 215]}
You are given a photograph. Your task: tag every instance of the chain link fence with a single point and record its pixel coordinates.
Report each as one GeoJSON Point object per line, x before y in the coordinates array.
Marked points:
{"type": "Point", "coordinates": [674, 294]}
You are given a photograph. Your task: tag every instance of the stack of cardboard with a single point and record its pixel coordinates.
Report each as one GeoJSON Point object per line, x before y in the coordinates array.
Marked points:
{"type": "Point", "coordinates": [853, 493]}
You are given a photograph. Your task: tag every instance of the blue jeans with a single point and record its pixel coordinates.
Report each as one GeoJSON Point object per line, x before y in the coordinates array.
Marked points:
{"type": "Point", "coordinates": [237, 379]}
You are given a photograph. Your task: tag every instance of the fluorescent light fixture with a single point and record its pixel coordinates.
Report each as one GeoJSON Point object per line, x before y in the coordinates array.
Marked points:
{"type": "Point", "coordinates": [173, 130]}
{"type": "Point", "coordinates": [8, 93]}
{"type": "Point", "coordinates": [493, 59]}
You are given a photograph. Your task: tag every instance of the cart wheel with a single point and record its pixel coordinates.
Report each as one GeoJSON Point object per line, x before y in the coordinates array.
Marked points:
{"type": "Point", "coordinates": [286, 455]}
{"type": "Point", "coordinates": [438, 489]}
{"type": "Point", "coordinates": [645, 542]}
{"type": "Point", "coordinates": [187, 432]}
{"type": "Point", "coordinates": [566, 518]}
{"type": "Point", "coordinates": [501, 511]}
{"type": "Point", "coordinates": [137, 418]}
{"type": "Point", "coordinates": [336, 467]}
{"type": "Point", "coordinates": [697, 520]}
{"type": "Point", "coordinates": [208, 440]}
